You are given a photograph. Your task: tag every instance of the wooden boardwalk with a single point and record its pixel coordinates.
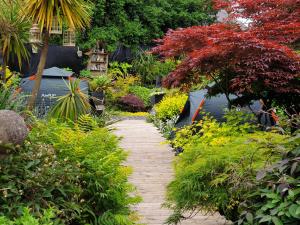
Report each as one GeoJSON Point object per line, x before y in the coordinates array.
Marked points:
{"type": "Point", "coordinates": [152, 171]}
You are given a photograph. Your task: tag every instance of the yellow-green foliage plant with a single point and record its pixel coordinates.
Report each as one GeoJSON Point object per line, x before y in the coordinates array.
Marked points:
{"type": "Point", "coordinates": [47, 218]}
{"type": "Point", "coordinates": [121, 87]}
{"type": "Point", "coordinates": [79, 174]}
{"type": "Point", "coordinates": [170, 106]}
{"type": "Point", "coordinates": [218, 165]}
{"type": "Point", "coordinates": [72, 105]}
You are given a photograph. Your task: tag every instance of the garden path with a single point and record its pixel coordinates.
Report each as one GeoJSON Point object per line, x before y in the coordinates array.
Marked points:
{"type": "Point", "coordinates": [151, 161]}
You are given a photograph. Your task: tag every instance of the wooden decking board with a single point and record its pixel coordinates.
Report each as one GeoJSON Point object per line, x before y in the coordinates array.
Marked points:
{"type": "Point", "coordinates": [151, 161]}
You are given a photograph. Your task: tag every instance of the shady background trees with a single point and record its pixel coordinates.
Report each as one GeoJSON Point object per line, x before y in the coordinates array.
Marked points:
{"type": "Point", "coordinates": [135, 23]}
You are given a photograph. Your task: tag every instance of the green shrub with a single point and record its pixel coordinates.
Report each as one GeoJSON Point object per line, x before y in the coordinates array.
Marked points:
{"type": "Point", "coordinates": [170, 106]}
{"type": "Point", "coordinates": [166, 127]}
{"type": "Point", "coordinates": [87, 123]}
{"type": "Point", "coordinates": [219, 163]}
{"type": "Point", "coordinates": [72, 105]}
{"type": "Point", "coordinates": [77, 174]}
{"type": "Point", "coordinates": [148, 67]}
{"type": "Point", "coordinates": [47, 218]}
{"type": "Point", "coordinates": [86, 74]}
{"type": "Point", "coordinates": [10, 99]}
{"type": "Point", "coordinates": [276, 199]}
{"type": "Point", "coordinates": [120, 88]}
{"type": "Point", "coordinates": [119, 70]}
{"type": "Point", "coordinates": [100, 83]}
{"type": "Point", "coordinates": [143, 93]}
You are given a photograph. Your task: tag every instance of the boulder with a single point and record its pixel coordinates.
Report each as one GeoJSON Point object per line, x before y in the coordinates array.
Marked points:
{"type": "Point", "coordinates": [13, 129]}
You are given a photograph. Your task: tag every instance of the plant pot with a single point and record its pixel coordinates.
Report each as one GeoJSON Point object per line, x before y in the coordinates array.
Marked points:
{"type": "Point", "coordinates": [157, 98]}
{"type": "Point", "coordinates": [97, 101]}
{"type": "Point", "coordinates": [98, 95]}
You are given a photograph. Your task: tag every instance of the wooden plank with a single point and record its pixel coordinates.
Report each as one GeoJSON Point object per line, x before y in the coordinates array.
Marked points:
{"type": "Point", "coordinates": [151, 161]}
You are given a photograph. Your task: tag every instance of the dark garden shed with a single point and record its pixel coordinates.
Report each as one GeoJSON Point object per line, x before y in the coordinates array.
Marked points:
{"type": "Point", "coordinates": [200, 101]}
{"type": "Point", "coordinates": [53, 86]}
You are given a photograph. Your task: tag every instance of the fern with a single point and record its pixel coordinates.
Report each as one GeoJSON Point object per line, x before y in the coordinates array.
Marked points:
{"type": "Point", "coordinates": [87, 123]}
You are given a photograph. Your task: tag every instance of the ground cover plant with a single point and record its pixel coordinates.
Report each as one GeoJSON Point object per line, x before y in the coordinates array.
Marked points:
{"type": "Point", "coordinates": [73, 170]}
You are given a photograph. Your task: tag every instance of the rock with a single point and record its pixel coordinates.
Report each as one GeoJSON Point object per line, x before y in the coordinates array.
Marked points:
{"type": "Point", "coordinates": [13, 129]}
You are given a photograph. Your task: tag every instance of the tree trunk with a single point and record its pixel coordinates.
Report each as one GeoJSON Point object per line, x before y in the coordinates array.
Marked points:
{"type": "Point", "coordinates": [4, 71]}
{"type": "Point", "coordinates": [39, 73]}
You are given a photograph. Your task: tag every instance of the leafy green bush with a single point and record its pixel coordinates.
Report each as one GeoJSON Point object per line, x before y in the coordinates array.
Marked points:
{"type": "Point", "coordinates": [100, 83]}
{"type": "Point", "coordinates": [120, 88]}
{"type": "Point", "coordinates": [77, 174]}
{"type": "Point", "coordinates": [72, 105]}
{"type": "Point", "coordinates": [218, 166]}
{"type": "Point", "coordinates": [10, 99]}
{"type": "Point", "coordinates": [166, 127]}
{"type": "Point", "coordinates": [148, 67]}
{"type": "Point", "coordinates": [47, 218]}
{"type": "Point", "coordinates": [170, 106]}
{"type": "Point", "coordinates": [143, 93]}
{"type": "Point", "coordinates": [276, 199]}
{"type": "Point", "coordinates": [87, 123]}
{"type": "Point", "coordinates": [86, 74]}
{"type": "Point", "coordinates": [117, 70]}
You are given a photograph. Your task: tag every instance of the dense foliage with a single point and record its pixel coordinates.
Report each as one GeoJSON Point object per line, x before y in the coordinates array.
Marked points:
{"type": "Point", "coordinates": [166, 112]}
{"type": "Point", "coordinates": [120, 88]}
{"type": "Point", "coordinates": [134, 23]}
{"type": "Point", "coordinates": [47, 218]}
{"type": "Point", "coordinates": [277, 195]}
{"type": "Point", "coordinates": [99, 83]}
{"type": "Point", "coordinates": [11, 100]}
{"type": "Point", "coordinates": [77, 173]}
{"type": "Point", "coordinates": [253, 59]}
{"type": "Point", "coordinates": [143, 93]}
{"type": "Point", "coordinates": [13, 33]}
{"type": "Point", "coordinates": [170, 106]}
{"type": "Point", "coordinates": [217, 169]}
{"type": "Point", "coordinates": [149, 68]}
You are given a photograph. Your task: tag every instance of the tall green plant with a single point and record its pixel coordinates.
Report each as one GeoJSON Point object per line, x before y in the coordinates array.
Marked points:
{"type": "Point", "coordinates": [72, 105]}
{"type": "Point", "coordinates": [13, 33]}
{"type": "Point", "coordinates": [148, 67]}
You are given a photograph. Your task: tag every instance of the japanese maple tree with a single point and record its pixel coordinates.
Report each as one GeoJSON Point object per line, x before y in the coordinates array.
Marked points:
{"type": "Point", "coordinates": [256, 58]}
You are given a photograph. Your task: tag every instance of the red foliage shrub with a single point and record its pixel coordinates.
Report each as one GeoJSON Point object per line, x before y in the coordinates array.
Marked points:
{"type": "Point", "coordinates": [132, 103]}
{"type": "Point", "coordinates": [258, 59]}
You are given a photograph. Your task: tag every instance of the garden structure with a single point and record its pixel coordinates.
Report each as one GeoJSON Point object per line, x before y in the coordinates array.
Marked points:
{"type": "Point", "coordinates": [97, 62]}
{"type": "Point", "coordinates": [53, 86]}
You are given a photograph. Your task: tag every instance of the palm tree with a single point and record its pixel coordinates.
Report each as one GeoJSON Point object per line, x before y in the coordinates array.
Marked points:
{"type": "Point", "coordinates": [13, 33]}
{"type": "Point", "coordinates": [76, 14]}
